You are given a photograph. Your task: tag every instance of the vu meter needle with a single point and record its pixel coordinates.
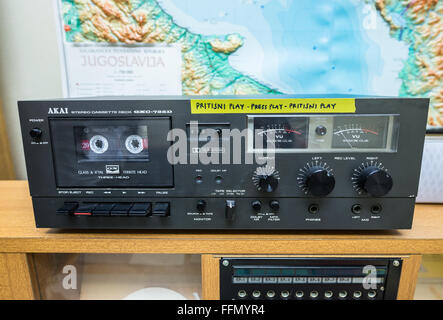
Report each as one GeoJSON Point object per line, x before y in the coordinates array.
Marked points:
{"type": "Point", "coordinates": [347, 141]}
{"type": "Point", "coordinates": [297, 132]}
{"type": "Point", "coordinates": [370, 131]}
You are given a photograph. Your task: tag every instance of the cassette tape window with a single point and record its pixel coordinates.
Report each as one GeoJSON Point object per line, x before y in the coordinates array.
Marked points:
{"type": "Point", "coordinates": [102, 143]}
{"type": "Point", "coordinates": [111, 152]}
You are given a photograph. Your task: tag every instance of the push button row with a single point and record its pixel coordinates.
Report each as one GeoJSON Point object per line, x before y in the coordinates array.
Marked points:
{"type": "Point", "coordinates": [139, 209]}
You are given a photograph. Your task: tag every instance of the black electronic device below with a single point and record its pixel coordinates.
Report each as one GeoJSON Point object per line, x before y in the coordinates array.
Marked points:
{"type": "Point", "coordinates": [286, 163]}
{"type": "Point", "coordinates": [309, 278]}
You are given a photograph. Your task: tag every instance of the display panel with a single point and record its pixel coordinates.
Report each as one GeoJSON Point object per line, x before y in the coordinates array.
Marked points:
{"type": "Point", "coordinates": [282, 271]}
{"type": "Point", "coordinates": [323, 133]}
{"type": "Point", "coordinates": [281, 132]}
{"type": "Point", "coordinates": [367, 132]}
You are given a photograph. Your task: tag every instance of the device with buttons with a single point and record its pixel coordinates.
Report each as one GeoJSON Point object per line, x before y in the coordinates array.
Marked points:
{"type": "Point", "coordinates": [309, 278]}
{"type": "Point", "coordinates": [181, 163]}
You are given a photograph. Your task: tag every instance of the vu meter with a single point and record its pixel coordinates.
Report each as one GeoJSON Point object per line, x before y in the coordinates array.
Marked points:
{"type": "Point", "coordinates": [324, 133]}
{"type": "Point", "coordinates": [364, 132]}
{"type": "Point", "coordinates": [281, 132]}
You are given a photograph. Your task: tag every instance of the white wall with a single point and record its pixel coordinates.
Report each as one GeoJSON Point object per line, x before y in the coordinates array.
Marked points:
{"type": "Point", "coordinates": [29, 63]}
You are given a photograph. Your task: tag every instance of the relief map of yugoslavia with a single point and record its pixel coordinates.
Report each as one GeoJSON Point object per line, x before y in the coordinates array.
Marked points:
{"type": "Point", "coordinates": [361, 47]}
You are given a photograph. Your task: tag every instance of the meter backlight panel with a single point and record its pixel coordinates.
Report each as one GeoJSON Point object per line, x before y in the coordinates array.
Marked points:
{"type": "Point", "coordinates": [323, 133]}
{"type": "Point", "coordinates": [281, 132]}
{"type": "Point", "coordinates": [363, 132]}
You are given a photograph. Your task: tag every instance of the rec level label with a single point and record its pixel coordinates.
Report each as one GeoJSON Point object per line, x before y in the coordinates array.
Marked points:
{"type": "Point", "coordinates": [317, 105]}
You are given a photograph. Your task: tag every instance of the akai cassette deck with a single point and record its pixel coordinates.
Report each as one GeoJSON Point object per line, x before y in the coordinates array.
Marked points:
{"type": "Point", "coordinates": [286, 162]}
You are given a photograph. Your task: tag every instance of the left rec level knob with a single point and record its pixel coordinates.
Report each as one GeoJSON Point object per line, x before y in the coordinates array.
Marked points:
{"type": "Point", "coordinates": [317, 180]}
{"type": "Point", "coordinates": [36, 133]}
{"type": "Point", "coordinates": [266, 179]}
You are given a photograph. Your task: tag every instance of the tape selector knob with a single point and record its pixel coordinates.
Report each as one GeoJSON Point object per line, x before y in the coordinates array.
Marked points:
{"type": "Point", "coordinates": [318, 181]}
{"type": "Point", "coordinates": [266, 179]}
{"type": "Point", "coordinates": [375, 181]}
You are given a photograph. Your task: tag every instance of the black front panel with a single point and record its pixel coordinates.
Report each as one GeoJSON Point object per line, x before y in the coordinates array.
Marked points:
{"type": "Point", "coordinates": [309, 278]}
{"type": "Point", "coordinates": [331, 171]}
{"type": "Point", "coordinates": [294, 213]}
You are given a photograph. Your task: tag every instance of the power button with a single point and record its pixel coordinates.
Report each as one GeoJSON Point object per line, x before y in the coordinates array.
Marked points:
{"type": "Point", "coordinates": [36, 133]}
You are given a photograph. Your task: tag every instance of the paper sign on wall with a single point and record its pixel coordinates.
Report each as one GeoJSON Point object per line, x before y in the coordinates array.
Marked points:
{"type": "Point", "coordinates": [105, 70]}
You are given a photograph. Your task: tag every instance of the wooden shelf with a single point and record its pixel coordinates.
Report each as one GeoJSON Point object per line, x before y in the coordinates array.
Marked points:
{"type": "Point", "coordinates": [19, 235]}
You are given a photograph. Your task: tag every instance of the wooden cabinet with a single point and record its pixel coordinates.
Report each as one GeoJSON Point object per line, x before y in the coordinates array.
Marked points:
{"type": "Point", "coordinates": [31, 258]}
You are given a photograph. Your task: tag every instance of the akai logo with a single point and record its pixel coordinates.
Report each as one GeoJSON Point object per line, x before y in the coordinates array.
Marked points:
{"type": "Point", "coordinates": [58, 111]}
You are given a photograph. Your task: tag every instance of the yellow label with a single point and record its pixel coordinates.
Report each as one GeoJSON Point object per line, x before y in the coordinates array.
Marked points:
{"type": "Point", "coordinates": [287, 105]}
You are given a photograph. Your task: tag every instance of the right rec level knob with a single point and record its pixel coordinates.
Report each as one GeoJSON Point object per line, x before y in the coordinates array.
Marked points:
{"type": "Point", "coordinates": [374, 180]}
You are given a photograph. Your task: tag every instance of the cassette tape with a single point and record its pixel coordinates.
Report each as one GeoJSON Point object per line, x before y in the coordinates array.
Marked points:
{"type": "Point", "coordinates": [104, 143]}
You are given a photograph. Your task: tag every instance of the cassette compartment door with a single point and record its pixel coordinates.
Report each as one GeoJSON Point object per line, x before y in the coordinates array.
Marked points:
{"type": "Point", "coordinates": [111, 153]}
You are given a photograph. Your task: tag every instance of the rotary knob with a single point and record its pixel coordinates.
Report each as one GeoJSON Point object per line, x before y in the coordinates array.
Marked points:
{"type": "Point", "coordinates": [317, 180]}
{"type": "Point", "coordinates": [266, 178]}
{"type": "Point", "coordinates": [372, 179]}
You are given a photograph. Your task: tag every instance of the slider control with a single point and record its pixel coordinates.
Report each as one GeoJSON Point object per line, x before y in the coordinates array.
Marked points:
{"type": "Point", "coordinates": [229, 211]}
